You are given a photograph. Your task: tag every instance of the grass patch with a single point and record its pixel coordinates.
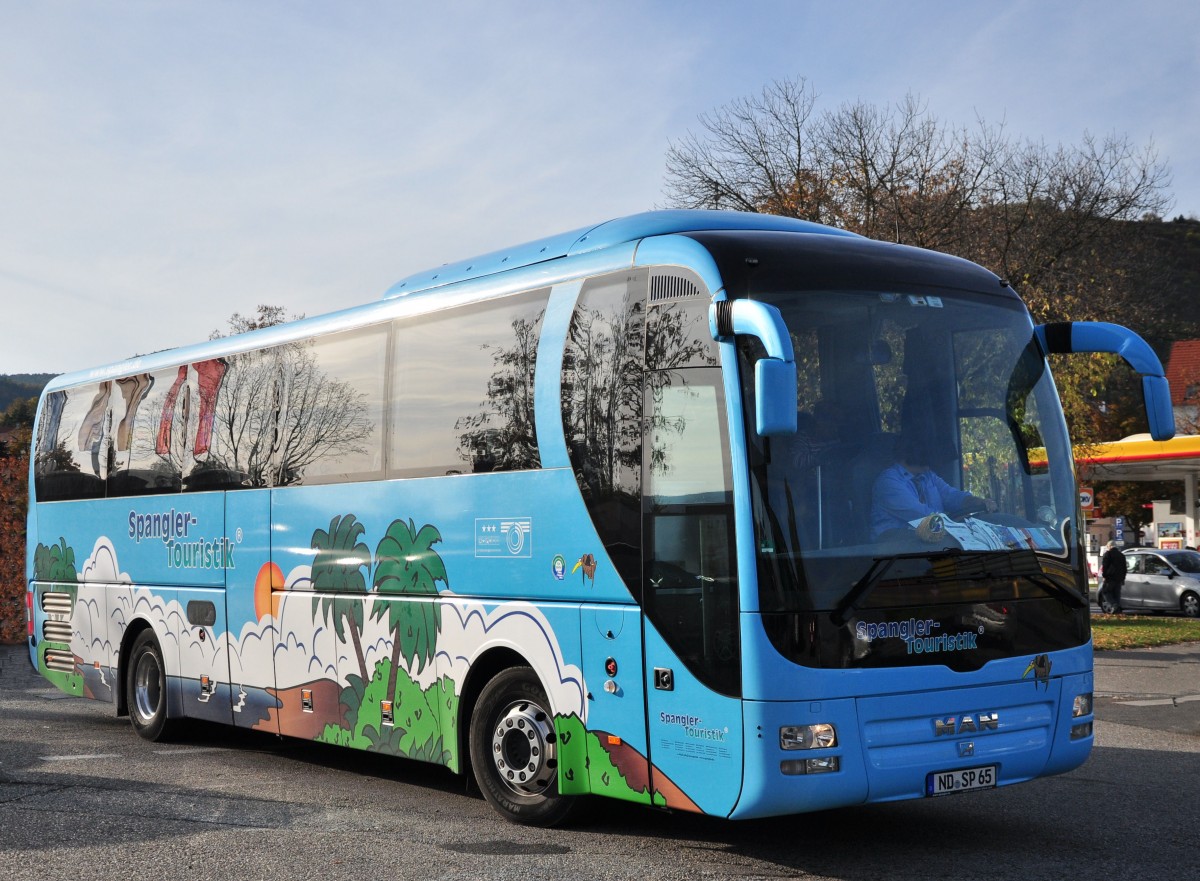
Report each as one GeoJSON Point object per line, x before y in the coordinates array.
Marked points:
{"type": "Point", "coordinates": [1141, 631]}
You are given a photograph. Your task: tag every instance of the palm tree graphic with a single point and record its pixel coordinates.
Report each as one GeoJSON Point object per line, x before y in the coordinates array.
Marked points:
{"type": "Point", "coordinates": [406, 563]}
{"type": "Point", "coordinates": [336, 570]}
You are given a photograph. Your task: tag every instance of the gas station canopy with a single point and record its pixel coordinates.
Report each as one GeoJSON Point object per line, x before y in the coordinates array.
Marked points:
{"type": "Point", "coordinates": [1140, 458]}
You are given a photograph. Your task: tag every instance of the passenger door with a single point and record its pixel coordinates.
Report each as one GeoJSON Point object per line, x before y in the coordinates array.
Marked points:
{"type": "Point", "coordinates": [693, 677]}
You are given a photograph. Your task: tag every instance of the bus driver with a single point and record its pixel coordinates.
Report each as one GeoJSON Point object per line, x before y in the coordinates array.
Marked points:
{"type": "Point", "coordinates": [910, 489]}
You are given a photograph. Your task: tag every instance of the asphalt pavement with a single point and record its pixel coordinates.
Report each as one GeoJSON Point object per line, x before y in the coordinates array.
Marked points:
{"type": "Point", "coordinates": [82, 797]}
{"type": "Point", "coordinates": [1156, 688]}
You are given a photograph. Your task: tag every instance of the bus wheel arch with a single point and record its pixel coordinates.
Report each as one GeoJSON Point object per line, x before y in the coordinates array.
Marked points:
{"type": "Point", "coordinates": [144, 686]}
{"type": "Point", "coordinates": [509, 722]}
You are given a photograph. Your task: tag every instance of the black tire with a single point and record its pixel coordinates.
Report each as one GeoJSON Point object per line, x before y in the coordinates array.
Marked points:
{"type": "Point", "coordinates": [146, 689]}
{"type": "Point", "coordinates": [514, 750]}
{"type": "Point", "coordinates": [1189, 604]}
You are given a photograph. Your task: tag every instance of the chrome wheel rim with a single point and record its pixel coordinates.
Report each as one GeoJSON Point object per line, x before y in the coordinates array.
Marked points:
{"type": "Point", "coordinates": [147, 687]}
{"type": "Point", "coordinates": [523, 749]}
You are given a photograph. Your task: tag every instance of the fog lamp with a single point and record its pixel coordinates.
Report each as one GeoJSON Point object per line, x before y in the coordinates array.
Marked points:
{"type": "Point", "coordinates": [1082, 730]}
{"type": "Point", "coordinates": [822, 765]}
{"type": "Point", "coordinates": [1082, 705]}
{"type": "Point", "coordinates": [822, 735]}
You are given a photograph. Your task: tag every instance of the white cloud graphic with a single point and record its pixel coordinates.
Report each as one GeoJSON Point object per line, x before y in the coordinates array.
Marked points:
{"type": "Point", "coordinates": [102, 565]}
{"type": "Point", "coordinates": [301, 646]}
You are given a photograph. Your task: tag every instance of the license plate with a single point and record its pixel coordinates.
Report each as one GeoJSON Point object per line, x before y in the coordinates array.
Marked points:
{"type": "Point", "coordinates": [963, 780]}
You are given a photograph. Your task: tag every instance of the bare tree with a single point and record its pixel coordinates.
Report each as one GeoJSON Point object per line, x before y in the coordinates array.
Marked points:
{"type": "Point", "coordinates": [1055, 222]}
{"type": "Point", "coordinates": [899, 173]}
{"type": "Point", "coordinates": [265, 315]}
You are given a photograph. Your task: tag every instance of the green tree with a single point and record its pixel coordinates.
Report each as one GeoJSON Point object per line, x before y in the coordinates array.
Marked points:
{"type": "Point", "coordinates": [55, 562]}
{"type": "Point", "coordinates": [336, 570]}
{"type": "Point", "coordinates": [406, 563]}
{"type": "Point", "coordinates": [1125, 498]}
{"type": "Point", "coordinates": [20, 413]}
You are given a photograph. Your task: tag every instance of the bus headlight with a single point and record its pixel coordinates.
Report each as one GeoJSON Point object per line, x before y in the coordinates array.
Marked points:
{"type": "Point", "coordinates": [822, 735]}
{"type": "Point", "coordinates": [1082, 705]}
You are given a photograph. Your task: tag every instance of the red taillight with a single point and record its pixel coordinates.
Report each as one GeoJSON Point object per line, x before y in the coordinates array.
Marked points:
{"type": "Point", "coordinates": [29, 612]}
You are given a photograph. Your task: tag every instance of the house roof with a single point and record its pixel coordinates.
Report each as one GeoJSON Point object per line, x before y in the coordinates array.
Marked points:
{"type": "Point", "coordinates": [1183, 372]}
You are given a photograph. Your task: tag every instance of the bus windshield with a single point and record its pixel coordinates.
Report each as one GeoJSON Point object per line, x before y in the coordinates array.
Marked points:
{"type": "Point", "coordinates": [936, 394]}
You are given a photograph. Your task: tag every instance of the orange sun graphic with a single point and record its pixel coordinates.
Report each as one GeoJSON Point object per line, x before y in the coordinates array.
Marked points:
{"type": "Point", "coordinates": [269, 580]}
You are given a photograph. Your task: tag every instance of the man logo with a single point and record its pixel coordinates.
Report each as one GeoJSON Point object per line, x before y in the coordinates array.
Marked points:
{"type": "Point", "coordinates": [966, 724]}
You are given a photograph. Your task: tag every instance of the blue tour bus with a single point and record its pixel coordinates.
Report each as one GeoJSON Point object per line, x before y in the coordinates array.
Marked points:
{"type": "Point", "coordinates": [594, 515]}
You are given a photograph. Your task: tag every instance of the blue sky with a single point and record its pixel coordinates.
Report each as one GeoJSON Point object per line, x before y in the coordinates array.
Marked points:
{"type": "Point", "coordinates": [163, 165]}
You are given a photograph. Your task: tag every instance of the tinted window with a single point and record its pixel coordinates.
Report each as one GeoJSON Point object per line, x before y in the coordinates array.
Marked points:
{"type": "Point", "coordinates": [602, 411]}
{"type": "Point", "coordinates": [462, 389]}
{"type": "Point", "coordinates": [72, 446]}
{"type": "Point", "coordinates": [677, 335]}
{"type": "Point", "coordinates": [332, 392]}
{"type": "Point", "coordinates": [1187, 562]}
{"type": "Point", "coordinates": [150, 442]}
{"type": "Point", "coordinates": [1157, 566]}
{"type": "Point", "coordinates": [236, 435]}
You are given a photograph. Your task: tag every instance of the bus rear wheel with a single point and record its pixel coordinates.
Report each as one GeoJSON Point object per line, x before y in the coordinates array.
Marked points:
{"type": "Point", "coordinates": [146, 689]}
{"type": "Point", "coordinates": [514, 750]}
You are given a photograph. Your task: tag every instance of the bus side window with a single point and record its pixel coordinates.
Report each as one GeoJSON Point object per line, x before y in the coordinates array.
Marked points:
{"type": "Point", "coordinates": [601, 394]}
{"type": "Point", "coordinates": [138, 467]}
{"type": "Point", "coordinates": [462, 389]}
{"type": "Point", "coordinates": [331, 408]}
{"type": "Point", "coordinates": [72, 447]}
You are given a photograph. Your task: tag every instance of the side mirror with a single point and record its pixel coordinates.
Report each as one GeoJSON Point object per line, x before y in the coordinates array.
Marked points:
{"type": "Point", "coordinates": [1097, 336]}
{"type": "Point", "coordinates": [1156, 394]}
{"type": "Point", "coordinates": [774, 397]}
{"type": "Point", "coordinates": [774, 375]}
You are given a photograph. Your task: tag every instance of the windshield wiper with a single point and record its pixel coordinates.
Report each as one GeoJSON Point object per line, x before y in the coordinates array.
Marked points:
{"type": "Point", "coordinates": [995, 564]}
{"type": "Point", "coordinates": [1022, 564]}
{"type": "Point", "coordinates": [874, 576]}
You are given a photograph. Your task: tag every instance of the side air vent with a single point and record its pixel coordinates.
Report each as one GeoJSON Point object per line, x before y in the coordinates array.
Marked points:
{"type": "Point", "coordinates": [63, 662]}
{"type": "Point", "coordinates": [678, 285]}
{"type": "Point", "coordinates": [54, 603]}
{"type": "Point", "coordinates": [56, 631]}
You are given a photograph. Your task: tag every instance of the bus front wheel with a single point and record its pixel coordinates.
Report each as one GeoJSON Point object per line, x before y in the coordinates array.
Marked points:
{"type": "Point", "coordinates": [514, 750]}
{"type": "Point", "coordinates": [146, 688]}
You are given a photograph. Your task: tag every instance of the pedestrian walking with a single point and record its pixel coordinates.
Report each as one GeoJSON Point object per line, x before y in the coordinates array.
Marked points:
{"type": "Point", "coordinates": [1112, 577]}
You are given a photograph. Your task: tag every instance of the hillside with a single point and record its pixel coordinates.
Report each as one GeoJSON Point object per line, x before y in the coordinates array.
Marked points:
{"type": "Point", "coordinates": [15, 386]}
{"type": "Point", "coordinates": [1177, 243]}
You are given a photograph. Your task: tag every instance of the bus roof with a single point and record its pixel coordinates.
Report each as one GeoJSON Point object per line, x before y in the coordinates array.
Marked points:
{"type": "Point", "coordinates": [587, 240]}
{"type": "Point", "coordinates": [603, 235]}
